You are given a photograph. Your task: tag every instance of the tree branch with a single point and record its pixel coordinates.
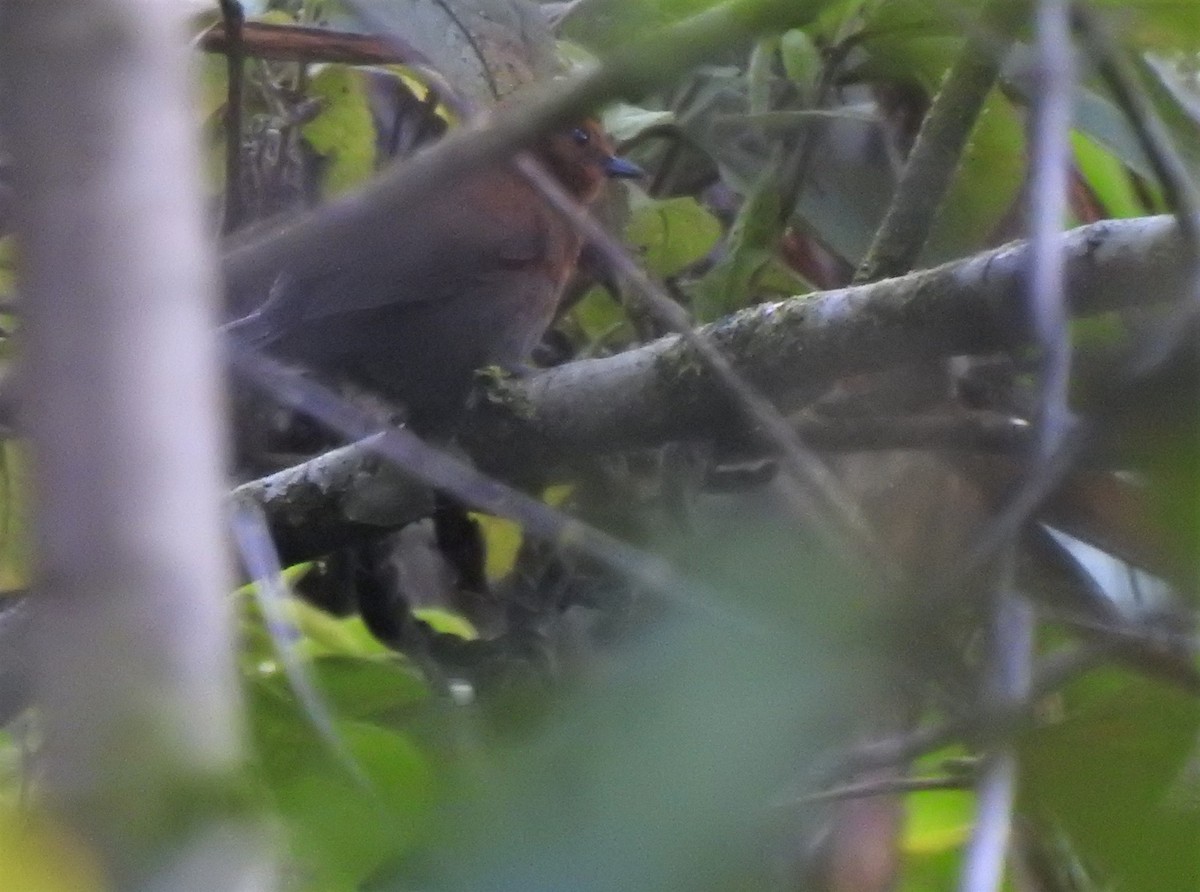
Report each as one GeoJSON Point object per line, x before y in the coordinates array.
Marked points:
{"type": "Point", "coordinates": [792, 350]}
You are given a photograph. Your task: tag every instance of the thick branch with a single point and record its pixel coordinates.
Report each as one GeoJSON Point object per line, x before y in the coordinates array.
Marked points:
{"type": "Point", "coordinates": [792, 350]}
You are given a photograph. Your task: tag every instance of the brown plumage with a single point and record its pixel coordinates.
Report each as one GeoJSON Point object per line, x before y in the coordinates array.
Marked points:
{"type": "Point", "coordinates": [470, 278]}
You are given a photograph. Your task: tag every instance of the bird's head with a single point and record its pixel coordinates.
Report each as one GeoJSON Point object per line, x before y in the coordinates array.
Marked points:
{"type": "Point", "coordinates": [582, 157]}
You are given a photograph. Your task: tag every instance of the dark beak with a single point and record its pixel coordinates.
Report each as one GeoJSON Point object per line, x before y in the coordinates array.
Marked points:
{"type": "Point", "coordinates": [617, 166]}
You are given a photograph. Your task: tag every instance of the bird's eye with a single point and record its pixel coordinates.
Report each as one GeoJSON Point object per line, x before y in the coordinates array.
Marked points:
{"type": "Point", "coordinates": [580, 136]}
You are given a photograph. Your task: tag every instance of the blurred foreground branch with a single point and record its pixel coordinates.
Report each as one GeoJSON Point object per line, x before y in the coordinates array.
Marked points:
{"type": "Point", "coordinates": [132, 637]}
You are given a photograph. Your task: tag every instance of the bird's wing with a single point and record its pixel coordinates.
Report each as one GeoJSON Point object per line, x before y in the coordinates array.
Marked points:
{"type": "Point", "coordinates": [432, 259]}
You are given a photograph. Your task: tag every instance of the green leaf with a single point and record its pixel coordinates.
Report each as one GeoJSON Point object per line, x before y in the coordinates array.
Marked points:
{"type": "Point", "coordinates": [730, 284]}
{"type": "Point", "coordinates": [1165, 24]}
{"type": "Point", "coordinates": [14, 538]}
{"type": "Point", "coordinates": [801, 58]}
{"type": "Point", "coordinates": [988, 182]}
{"type": "Point", "coordinates": [41, 855]}
{"type": "Point", "coordinates": [1176, 106]}
{"type": "Point", "coordinates": [486, 48]}
{"type": "Point", "coordinates": [760, 72]}
{"type": "Point", "coordinates": [607, 24]}
{"type": "Point", "coordinates": [1114, 775]}
{"type": "Point", "coordinates": [342, 829]}
{"type": "Point", "coordinates": [1107, 177]}
{"type": "Point", "coordinates": [343, 132]}
{"type": "Point", "coordinates": [360, 689]}
{"type": "Point", "coordinates": [671, 233]}
{"type": "Point", "coordinates": [1101, 121]}
{"type": "Point", "coordinates": [447, 622]}
{"type": "Point", "coordinates": [8, 264]}
{"type": "Point", "coordinates": [625, 122]}
{"type": "Point", "coordinates": [599, 316]}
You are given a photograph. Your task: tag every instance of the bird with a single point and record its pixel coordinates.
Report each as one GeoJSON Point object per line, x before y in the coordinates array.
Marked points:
{"type": "Point", "coordinates": [469, 279]}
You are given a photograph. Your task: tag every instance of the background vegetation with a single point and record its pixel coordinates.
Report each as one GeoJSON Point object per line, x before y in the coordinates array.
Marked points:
{"type": "Point", "coordinates": [902, 596]}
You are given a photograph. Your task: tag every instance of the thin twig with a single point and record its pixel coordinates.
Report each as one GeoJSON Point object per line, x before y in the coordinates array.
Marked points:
{"type": "Point", "coordinates": [234, 212]}
{"type": "Point", "coordinates": [1010, 683]}
{"type": "Point", "coordinates": [887, 787]}
{"type": "Point", "coordinates": [988, 724]}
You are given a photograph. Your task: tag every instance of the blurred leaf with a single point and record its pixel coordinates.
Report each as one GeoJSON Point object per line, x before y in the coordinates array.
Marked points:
{"type": "Point", "coordinates": [14, 537]}
{"type": "Point", "coordinates": [8, 264]}
{"type": "Point", "coordinates": [212, 70]}
{"type": "Point", "coordinates": [1099, 118]}
{"type": "Point", "coordinates": [801, 59]}
{"type": "Point", "coordinates": [1110, 776]}
{"type": "Point", "coordinates": [650, 778]}
{"type": "Point", "coordinates": [1176, 108]}
{"type": "Point", "coordinates": [342, 829]}
{"type": "Point", "coordinates": [328, 635]}
{"type": "Point", "coordinates": [1166, 24]}
{"type": "Point", "coordinates": [730, 284]}
{"type": "Point", "coordinates": [653, 771]}
{"type": "Point", "coordinates": [486, 48]}
{"type": "Point", "coordinates": [599, 316]}
{"type": "Point", "coordinates": [359, 689]}
{"type": "Point", "coordinates": [625, 122]}
{"type": "Point", "coordinates": [1107, 177]}
{"type": "Point", "coordinates": [344, 132]}
{"type": "Point", "coordinates": [606, 24]}
{"type": "Point", "coordinates": [502, 539]}
{"type": "Point", "coordinates": [910, 41]}
{"type": "Point", "coordinates": [986, 186]}
{"type": "Point", "coordinates": [937, 825]}
{"type": "Point", "coordinates": [446, 622]}
{"type": "Point", "coordinates": [671, 234]}
{"type": "Point", "coordinates": [41, 856]}
{"type": "Point", "coordinates": [924, 871]}
{"type": "Point", "coordinates": [845, 191]}
{"type": "Point", "coordinates": [937, 821]}
{"type": "Point", "coordinates": [760, 73]}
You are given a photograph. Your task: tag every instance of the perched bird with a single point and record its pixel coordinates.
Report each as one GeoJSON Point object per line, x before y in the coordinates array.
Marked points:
{"type": "Point", "coordinates": [469, 279]}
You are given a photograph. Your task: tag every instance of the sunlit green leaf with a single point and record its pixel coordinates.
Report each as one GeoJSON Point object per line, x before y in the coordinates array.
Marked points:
{"type": "Point", "coordinates": [671, 234]}
{"type": "Point", "coordinates": [801, 58]}
{"type": "Point", "coordinates": [342, 828]}
{"type": "Point", "coordinates": [986, 185]}
{"type": "Point", "coordinates": [343, 132]}
{"type": "Point", "coordinates": [599, 316]}
{"type": "Point", "coordinates": [1107, 177]}
{"type": "Point", "coordinates": [14, 540]}
{"type": "Point", "coordinates": [44, 856]}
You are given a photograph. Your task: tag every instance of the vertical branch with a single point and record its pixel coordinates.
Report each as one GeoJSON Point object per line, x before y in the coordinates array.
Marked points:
{"type": "Point", "coordinates": [131, 626]}
{"type": "Point", "coordinates": [235, 65]}
{"type": "Point", "coordinates": [1047, 209]}
{"type": "Point", "coordinates": [1012, 626]}
{"type": "Point", "coordinates": [939, 146]}
{"type": "Point", "coordinates": [1010, 682]}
